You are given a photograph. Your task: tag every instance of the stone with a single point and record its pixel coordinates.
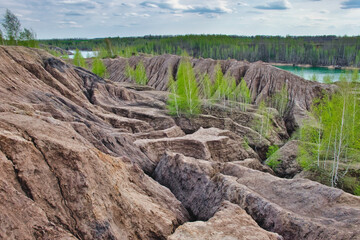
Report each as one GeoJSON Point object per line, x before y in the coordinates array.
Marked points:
{"type": "Point", "coordinates": [229, 222]}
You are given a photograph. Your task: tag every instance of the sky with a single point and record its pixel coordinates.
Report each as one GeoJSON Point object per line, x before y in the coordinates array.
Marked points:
{"type": "Point", "coordinates": [112, 18]}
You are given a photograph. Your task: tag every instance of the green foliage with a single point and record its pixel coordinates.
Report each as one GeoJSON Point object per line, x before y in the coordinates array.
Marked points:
{"type": "Point", "coordinates": [331, 137]}
{"type": "Point", "coordinates": [357, 190]}
{"type": "Point", "coordinates": [272, 149]}
{"type": "Point", "coordinates": [14, 34]}
{"type": "Point", "coordinates": [280, 100]}
{"type": "Point", "coordinates": [272, 162]}
{"type": "Point", "coordinates": [79, 59]}
{"type": "Point", "coordinates": [184, 90]}
{"type": "Point", "coordinates": [328, 79]}
{"type": "Point", "coordinates": [12, 27]}
{"type": "Point", "coordinates": [173, 100]}
{"type": "Point", "coordinates": [355, 76]}
{"type": "Point", "coordinates": [272, 157]}
{"type": "Point", "coordinates": [206, 87]}
{"type": "Point", "coordinates": [219, 77]}
{"type": "Point", "coordinates": [138, 74]}
{"type": "Point", "coordinates": [314, 78]}
{"type": "Point", "coordinates": [263, 124]}
{"type": "Point", "coordinates": [99, 68]}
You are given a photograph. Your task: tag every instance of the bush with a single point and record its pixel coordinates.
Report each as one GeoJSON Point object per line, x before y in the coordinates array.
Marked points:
{"type": "Point", "coordinates": [79, 59]}
{"type": "Point", "coordinates": [98, 67]}
{"type": "Point", "coordinates": [357, 190]}
{"type": "Point", "coordinates": [271, 151]}
{"type": "Point", "coordinates": [184, 97]}
{"type": "Point", "coordinates": [272, 162]}
{"type": "Point", "coordinates": [138, 74]}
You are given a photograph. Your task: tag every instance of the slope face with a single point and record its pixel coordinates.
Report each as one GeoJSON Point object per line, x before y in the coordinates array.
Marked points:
{"type": "Point", "coordinates": [263, 80]}
{"type": "Point", "coordinates": [68, 167]}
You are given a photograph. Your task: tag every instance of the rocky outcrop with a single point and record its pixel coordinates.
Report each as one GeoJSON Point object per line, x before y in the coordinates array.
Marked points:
{"type": "Point", "coordinates": [263, 80]}
{"type": "Point", "coordinates": [69, 168]}
{"type": "Point", "coordinates": [295, 209]}
{"type": "Point", "coordinates": [211, 144]}
{"type": "Point", "coordinates": [230, 222]}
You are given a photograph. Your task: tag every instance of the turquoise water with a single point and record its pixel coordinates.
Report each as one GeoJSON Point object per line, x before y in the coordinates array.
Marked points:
{"type": "Point", "coordinates": [315, 72]}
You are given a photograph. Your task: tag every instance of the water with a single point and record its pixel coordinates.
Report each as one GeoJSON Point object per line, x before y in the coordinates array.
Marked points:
{"type": "Point", "coordinates": [319, 72]}
{"type": "Point", "coordinates": [85, 54]}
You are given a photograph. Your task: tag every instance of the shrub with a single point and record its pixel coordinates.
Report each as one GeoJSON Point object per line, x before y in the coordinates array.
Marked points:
{"type": "Point", "coordinates": [272, 162]}
{"type": "Point", "coordinates": [272, 149]}
{"type": "Point", "coordinates": [79, 59]}
{"type": "Point", "coordinates": [98, 67]}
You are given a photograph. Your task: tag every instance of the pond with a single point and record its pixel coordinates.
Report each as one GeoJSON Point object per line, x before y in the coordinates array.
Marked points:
{"type": "Point", "coordinates": [85, 54]}
{"type": "Point", "coordinates": [319, 73]}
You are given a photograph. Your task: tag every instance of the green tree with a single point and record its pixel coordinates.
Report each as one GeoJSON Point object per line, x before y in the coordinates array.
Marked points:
{"type": "Point", "coordinates": [1, 38]}
{"type": "Point", "coordinates": [27, 38]}
{"type": "Point", "coordinates": [244, 95]}
{"type": "Point", "coordinates": [140, 74]}
{"type": "Point", "coordinates": [12, 26]}
{"type": "Point", "coordinates": [280, 100]}
{"type": "Point", "coordinates": [99, 68]}
{"type": "Point", "coordinates": [79, 59]}
{"type": "Point", "coordinates": [173, 100]}
{"type": "Point", "coordinates": [334, 140]}
{"type": "Point", "coordinates": [187, 96]}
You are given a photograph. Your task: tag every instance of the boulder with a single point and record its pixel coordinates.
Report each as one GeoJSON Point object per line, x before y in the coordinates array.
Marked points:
{"type": "Point", "coordinates": [287, 166]}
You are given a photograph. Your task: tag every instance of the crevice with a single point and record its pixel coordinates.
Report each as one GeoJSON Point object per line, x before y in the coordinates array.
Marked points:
{"type": "Point", "coordinates": [75, 231]}
{"type": "Point", "coordinates": [23, 184]}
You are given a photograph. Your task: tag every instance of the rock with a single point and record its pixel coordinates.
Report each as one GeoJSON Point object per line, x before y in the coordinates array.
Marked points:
{"type": "Point", "coordinates": [288, 166]}
{"type": "Point", "coordinates": [91, 194]}
{"type": "Point", "coordinates": [211, 144]}
{"type": "Point", "coordinates": [255, 164]}
{"type": "Point", "coordinates": [295, 209]}
{"type": "Point", "coordinates": [252, 138]}
{"type": "Point", "coordinates": [229, 222]}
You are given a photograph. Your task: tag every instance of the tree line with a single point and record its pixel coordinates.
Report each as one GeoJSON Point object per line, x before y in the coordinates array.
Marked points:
{"type": "Point", "coordinates": [317, 50]}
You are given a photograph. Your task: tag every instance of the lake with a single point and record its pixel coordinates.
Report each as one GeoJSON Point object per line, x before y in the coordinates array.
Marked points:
{"type": "Point", "coordinates": [319, 72]}
{"type": "Point", "coordinates": [85, 54]}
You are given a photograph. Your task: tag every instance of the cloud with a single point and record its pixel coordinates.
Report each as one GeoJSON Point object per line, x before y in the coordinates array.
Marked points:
{"type": "Point", "coordinates": [350, 4]}
{"type": "Point", "coordinates": [73, 14]}
{"type": "Point", "coordinates": [220, 7]}
{"type": "Point", "coordinates": [128, 5]}
{"type": "Point", "coordinates": [275, 5]}
{"type": "Point", "coordinates": [242, 4]}
{"type": "Point", "coordinates": [70, 24]}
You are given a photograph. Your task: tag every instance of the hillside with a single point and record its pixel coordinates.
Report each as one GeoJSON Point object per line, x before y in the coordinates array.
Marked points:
{"type": "Point", "coordinates": [83, 157]}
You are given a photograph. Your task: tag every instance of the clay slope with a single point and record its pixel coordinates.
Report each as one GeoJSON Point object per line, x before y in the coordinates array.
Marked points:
{"type": "Point", "coordinates": [67, 167]}
{"type": "Point", "coordinates": [263, 80]}
{"type": "Point", "coordinates": [77, 153]}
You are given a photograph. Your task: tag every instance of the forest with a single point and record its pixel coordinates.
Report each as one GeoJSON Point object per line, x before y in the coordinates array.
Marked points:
{"type": "Point", "coordinates": [313, 50]}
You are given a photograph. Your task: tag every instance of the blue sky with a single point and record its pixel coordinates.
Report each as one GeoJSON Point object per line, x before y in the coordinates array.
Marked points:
{"type": "Point", "coordinates": [100, 18]}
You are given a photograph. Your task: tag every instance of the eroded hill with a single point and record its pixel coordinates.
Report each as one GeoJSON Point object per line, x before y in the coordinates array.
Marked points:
{"type": "Point", "coordinates": [86, 158]}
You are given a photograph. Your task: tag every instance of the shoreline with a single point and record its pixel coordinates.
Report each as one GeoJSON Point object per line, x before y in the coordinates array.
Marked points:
{"type": "Point", "coordinates": [310, 66]}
